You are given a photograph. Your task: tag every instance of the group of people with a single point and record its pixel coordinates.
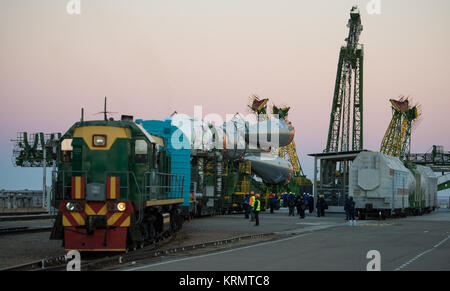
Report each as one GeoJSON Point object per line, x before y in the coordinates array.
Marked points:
{"type": "Point", "coordinates": [252, 205]}
{"type": "Point", "coordinates": [302, 202]}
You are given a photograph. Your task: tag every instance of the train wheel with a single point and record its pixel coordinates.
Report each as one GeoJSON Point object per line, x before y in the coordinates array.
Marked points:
{"type": "Point", "coordinates": [176, 221]}
{"type": "Point", "coordinates": [151, 232]}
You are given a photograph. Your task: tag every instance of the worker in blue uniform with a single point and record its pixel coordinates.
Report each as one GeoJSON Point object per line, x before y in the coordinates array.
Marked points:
{"type": "Point", "coordinates": [347, 208]}
{"type": "Point", "coordinates": [246, 206]}
{"type": "Point", "coordinates": [351, 212]}
{"type": "Point", "coordinates": [301, 206]}
{"type": "Point", "coordinates": [272, 201]}
{"type": "Point", "coordinates": [306, 197]}
{"type": "Point", "coordinates": [311, 203]}
{"type": "Point", "coordinates": [320, 205]}
{"type": "Point", "coordinates": [291, 203]}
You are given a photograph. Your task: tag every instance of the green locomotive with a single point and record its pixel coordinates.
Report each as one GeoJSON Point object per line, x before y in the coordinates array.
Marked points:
{"type": "Point", "coordinates": [114, 188]}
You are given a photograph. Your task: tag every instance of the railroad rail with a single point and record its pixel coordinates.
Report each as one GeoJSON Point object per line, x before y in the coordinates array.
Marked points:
{"type": "Point", "coordinates": [26, 217]}
{"type": "Point", "coordinates": [21, 230]}
{"type": "Point", "coordinates": [23, 213]}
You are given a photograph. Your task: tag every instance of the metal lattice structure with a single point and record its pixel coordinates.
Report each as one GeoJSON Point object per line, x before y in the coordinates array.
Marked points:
{"type": "Point", "coordinates": [289, 152]}
{"type": "Point", "coordinates": [28, 149]}
{"type": "Point", "coordinates": [438, 159]}
{"type": "Point", "coordinates": [348, 92]}
{"type": "Point", "coordinates": [397, 139]}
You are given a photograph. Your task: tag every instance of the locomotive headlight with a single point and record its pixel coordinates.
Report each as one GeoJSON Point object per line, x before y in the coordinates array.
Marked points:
{"type": "Point", "coordinates": [121, 206]}
{"type": "Point", "coordinates": [99, 140]}
{"type": "Point", "coordinates": [71, 206]}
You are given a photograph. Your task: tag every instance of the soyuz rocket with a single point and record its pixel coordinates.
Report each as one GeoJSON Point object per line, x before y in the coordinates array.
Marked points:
{"type": "Point", "coordinates": [242, 139]}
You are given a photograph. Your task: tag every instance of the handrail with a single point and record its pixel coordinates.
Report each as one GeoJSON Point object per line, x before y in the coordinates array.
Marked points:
{"type": "Point", "coordinates": [83, 174]}
{"type": "Point", "coordinates": [172, 184]}
{"type": "Point", "coordinates": [168, 185]}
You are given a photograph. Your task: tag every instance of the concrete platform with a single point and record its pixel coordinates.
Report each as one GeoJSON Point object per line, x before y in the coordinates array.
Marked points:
{"type": "Point", "coordinates": [413, 243]}
{"type": "Point", "coordinates": [278, 222]}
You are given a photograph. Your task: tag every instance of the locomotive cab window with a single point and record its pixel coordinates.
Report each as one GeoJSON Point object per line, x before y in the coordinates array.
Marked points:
{"type": "Point", "coordinates": [66, 150]}
{"type": "Point", "coordinates": [99, 140]}
{"type": "Point", "coordinates": [141, 151]}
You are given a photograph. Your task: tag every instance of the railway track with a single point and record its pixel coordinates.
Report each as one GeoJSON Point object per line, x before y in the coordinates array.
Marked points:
{"type": "Point", "coordinates": [21, 230]}
{"type": "Point", "coordinates": [98, 261]}
{"type": "Point", "coordinates": [23, 213]}
{"type": "Point", "coordinates": [26, 217]}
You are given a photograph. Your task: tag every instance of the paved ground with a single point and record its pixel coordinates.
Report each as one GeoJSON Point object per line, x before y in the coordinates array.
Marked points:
{"type": "Point", "coordinates": [413, 243]}
{"type": "Point", "coordinates": [325, 243]}
{"type": "Point", "coordinates": [276, 222]}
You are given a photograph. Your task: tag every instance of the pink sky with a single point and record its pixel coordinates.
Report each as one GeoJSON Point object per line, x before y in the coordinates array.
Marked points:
{"type": "Point", "coordinates": [154, 57]}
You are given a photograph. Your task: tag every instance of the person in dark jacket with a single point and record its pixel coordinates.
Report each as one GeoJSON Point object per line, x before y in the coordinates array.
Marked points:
{"type": "Point", "coordinates": [284, 198]}
{"type": "Point", "coordinates": [246, 206]}
{"type": "Point", "coordinates": [318, 207]}
{"type": "Point", "coordinates": [297, 203]}
{"type": "Point", "coordinates": [272, 202]}
{"type": "Point", "coordinates": [291, 204]}
{"type": "Point", "coordinates": [301, 206]}
{"type": "Point", "coordinates": [351, 212]}
{"type": "Point", "coordinates": [321, 204]}
{"type": "Point", "coordinates": [324, 206]}
{"type": "Point", "coordinates": [311, 204]}
{"type": "Point", "coordinates": [347, 208]}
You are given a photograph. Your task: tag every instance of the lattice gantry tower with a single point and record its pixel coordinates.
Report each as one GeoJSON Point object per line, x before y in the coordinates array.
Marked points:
{"type": "Point", "coordinates": [347, 110]}
{"type": "Point", "coordinates": [397, 139]}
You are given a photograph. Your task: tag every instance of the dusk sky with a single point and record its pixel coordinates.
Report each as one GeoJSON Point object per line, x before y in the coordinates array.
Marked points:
{"type": "Point", "coordinates": [152, 57]}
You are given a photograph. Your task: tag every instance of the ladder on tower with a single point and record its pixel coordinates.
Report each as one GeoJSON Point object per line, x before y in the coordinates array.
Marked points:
{"type": "Point", "coordinates": [289, 153]}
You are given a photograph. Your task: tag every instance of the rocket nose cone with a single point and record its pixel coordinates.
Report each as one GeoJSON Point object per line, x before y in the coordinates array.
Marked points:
{"type": "Point", "coordinates": [287, 133]}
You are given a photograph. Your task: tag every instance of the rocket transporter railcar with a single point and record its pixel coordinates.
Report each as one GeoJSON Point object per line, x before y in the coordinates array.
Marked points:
{"type": "Point", "coordinates": [382, 186]}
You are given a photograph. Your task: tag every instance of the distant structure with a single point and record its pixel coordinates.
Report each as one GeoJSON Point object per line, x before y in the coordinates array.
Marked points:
{"type": "Point", "coordinates": [289, 152]}
{"type": "Point", "coordinates": [348, 93]}
{"type": "Point", "coordinates": [36, 150]}
{"type": "Point", "coordinates": [397, 139]}
{"type": "Point", "coordinates": [438, 160]}
{"type": "Point", "coordinates": [345, 132]}
{"type": "Point", "coordinates": [28, 149]}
